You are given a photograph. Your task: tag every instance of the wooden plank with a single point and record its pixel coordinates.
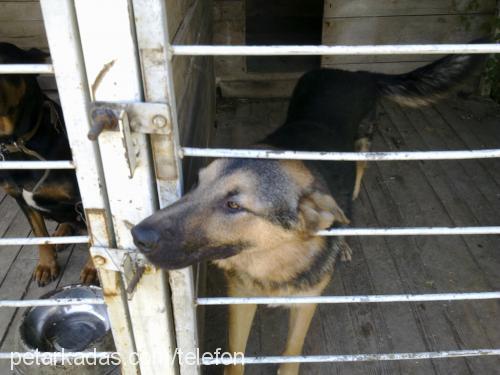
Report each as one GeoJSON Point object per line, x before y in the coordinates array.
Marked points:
{"type": "Point", "coordinates": [195, 29]}
{"type": "Point", "coordinates": [229, 28]}
{"type": "Point", "coordinates": [401, 328]}
{"type": "Point", "coordinates": [26, 11]}
{"type": "Point", "coordinates": [229, 10]}
{"type": "Point", "coordinates": [400, 30]}
{"type": "Point", "coordinates": [18, 227]}
{"type": "Point", "coordinates": [176, 12]}
{"type": "Point", "coordinates": [13, 10]}
{"type": "Point", "coordinates": [396, 197]}
{"type": "Point", "coordinates": [476, 123]}
{"type": "Point", "coordinates": [25, 288]}
{"type": "Point", "coordinates": [456, 255]}
{"type": "Point", "coordinates": [364, 8]}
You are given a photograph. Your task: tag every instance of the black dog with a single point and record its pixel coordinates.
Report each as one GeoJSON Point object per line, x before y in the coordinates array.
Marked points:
{"type": "Point", "coordinates": [32, 128]}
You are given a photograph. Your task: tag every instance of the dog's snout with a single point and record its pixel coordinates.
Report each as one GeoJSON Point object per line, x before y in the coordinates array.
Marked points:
{"type": "Point", "coordinates": [146, 239]}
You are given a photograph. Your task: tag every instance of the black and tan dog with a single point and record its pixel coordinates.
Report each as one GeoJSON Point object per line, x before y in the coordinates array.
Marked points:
{"type": "Point", "coordinates": [257, 219]}
{"type": "Point", "coordinates": [32, 128]}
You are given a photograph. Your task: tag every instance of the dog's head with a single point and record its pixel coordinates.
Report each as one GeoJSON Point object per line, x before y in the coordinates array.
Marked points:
{"type": "Point", "coordinates": [14, 87]}
{"type": "Point", "coordinates": [238, 205]}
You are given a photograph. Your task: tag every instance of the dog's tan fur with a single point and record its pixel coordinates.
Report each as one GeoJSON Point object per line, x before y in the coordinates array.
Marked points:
{"type": "Point", "coordinates": [276, 257]}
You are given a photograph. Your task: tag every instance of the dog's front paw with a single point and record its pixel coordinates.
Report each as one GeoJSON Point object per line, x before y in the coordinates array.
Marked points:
{"type": "Point", "coordinates": [289, 369]}
{"type": "Point", "coordinates": [46, 271]}
{"type": "Point", "coordinates": [88, 275]}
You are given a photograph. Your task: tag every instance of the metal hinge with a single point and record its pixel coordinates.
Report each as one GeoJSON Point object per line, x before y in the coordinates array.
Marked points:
{"type": "Point", "coordinates": [129, 263]}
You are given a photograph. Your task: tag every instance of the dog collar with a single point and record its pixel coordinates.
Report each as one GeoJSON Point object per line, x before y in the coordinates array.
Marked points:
{"type": "Point", "coordinates": [19, 145]}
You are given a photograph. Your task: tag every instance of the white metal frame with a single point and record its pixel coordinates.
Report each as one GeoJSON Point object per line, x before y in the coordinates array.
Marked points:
{"type": "Point", "coordinates": [139, 51]}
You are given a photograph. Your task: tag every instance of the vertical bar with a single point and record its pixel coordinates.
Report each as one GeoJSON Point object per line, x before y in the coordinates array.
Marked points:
{"type": "Point", "coordinates": [109, 47]}
{"type": "Point", "coordinates": [153, 41]}
{"type": "Point", "coordinates": [64, 41]}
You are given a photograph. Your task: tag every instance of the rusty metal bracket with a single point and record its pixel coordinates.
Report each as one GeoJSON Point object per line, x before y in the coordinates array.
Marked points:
{"type": "Point", "coordinates": [130, 263]}
{"type": "Point", "coordinates": [146, 118]}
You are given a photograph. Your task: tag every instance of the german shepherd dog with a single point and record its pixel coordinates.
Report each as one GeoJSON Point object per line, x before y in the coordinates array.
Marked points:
{"type": "Point", "coordinates": [257, 219]}
{"type": "Point", "coordinates": [32, 128]}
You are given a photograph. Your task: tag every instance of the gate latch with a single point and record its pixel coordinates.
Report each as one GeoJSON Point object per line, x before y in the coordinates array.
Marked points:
{"type": "Point", "coordinates": [130, 263]}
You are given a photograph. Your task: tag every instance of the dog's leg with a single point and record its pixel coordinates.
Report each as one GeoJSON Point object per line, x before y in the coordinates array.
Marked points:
{"type": "Point", "coordinates": [240, 322]}
{"type": "Point", "coordinates": [63, 230]}
{"type": "Point", "coordinates": [361, 145]}
{"type": "Point", "coordinates": [300, 319]}
{"type": "Point", "coordinates": [47, 269]}
{"type": "Point", "coordinates": [88, 275]}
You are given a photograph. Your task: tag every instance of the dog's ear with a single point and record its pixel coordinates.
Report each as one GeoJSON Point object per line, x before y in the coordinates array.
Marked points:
{"type": "Point", "coordinates": [318, 211]}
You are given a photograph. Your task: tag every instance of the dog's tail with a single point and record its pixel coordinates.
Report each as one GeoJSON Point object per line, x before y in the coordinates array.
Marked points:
{"type": "Point", "coordinates": [432, 82]}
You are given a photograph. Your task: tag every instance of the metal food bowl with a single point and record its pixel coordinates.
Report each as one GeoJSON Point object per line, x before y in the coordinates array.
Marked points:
{"type": "Point", "coordinates": [69, 328]}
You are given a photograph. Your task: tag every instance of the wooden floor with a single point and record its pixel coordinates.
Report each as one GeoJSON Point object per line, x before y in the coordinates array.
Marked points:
{"type": "Point", "coordinates": [433, 193]}
{"type": "Point", "coordinates": [16, 269]}
{"type": "Point", "coordinates": [394, 194]}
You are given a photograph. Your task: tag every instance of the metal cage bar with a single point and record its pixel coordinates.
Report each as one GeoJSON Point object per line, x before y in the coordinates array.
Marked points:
{"type": "Point", "coordinates": [408, 49]}
{"type": "Point", "coordinates": [51, 302]}
{"type": "Point", "coordinates": [153, 38]}
{"type": "Point", "coordinates": [349, 299]}
{"type": "Point", "coordinates": [418, 231]}
{"type": "Point", "coordinates": [63, 35]}
{"type": "Point", "coordinates": [344, 156]}
{"type": "Point", "coordinates": [350, 357]}
{"type": "Point", "coordinates": [44, 240]}
{"type": "Point", "coordinates": [58, 164]}
{"type": "Point", "coordinates": [26, 69]}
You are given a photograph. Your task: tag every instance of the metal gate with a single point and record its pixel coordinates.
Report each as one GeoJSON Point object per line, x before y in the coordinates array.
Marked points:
{"type": "Point", "coordinates": [116, 56]}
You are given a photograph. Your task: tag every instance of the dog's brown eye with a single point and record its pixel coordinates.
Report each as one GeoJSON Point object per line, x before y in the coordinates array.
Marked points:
{"type": "Point", "coordinates": [233, 205]}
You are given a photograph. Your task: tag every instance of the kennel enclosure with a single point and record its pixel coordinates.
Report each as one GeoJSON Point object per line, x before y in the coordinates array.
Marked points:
{"type": "Point", "coordinates": [151, 63]}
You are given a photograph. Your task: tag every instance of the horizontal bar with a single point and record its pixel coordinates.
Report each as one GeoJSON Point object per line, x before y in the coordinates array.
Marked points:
{"type": "Point", "coordinates": [390, 49]}
{"type": "Point", "coordinates": [223, 360]}
{"type": "Point", "coordinates": [51, 302]}
{"type": "Point", "coordinates": [418, 231]}
{"type": "Point", "coordinates": [43, 240]}
{"type": "Point", "coordinates": [58, 164]}
{"type": "Point", "coordinates": [341, 156]}
{"type": "Point", "coordinates": [56, 356]}
{"type": "Point", "coordinates": [26, 69]}
{"type": "Point", "coordinates": [348, 299]}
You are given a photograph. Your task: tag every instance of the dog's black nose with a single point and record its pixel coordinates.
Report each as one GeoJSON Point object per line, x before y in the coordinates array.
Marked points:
{"type": "Point", "coordinates": [145, 239]}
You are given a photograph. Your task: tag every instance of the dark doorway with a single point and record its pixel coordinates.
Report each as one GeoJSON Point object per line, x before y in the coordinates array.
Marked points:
{"type": "Point", "coordinates": [285, 22]}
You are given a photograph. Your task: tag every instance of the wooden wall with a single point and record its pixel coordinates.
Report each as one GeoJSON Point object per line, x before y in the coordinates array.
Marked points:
{"type": "Point", "coordinates": [190, 22]}
{"type": "Point", "coordinates": [354, 22]}
{"type": "Point", "coordinates": [21, 24]}
{"type": "Point", "coordinates": [233, 80]}
{"type": "Point", "coordinates": [358, 22]}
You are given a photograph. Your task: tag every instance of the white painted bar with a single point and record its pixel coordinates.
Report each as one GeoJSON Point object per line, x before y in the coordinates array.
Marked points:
{"type": "Point", "coordinates": [26, 69]}
{"type": "Point", "coordinates": [43, 240]}
{"type": "Point", "coordinates": [151, 20]}
{"type": "Point", "coordinates": [66, 52]}
{"type": "Point", "coordinates": [350, 357]}
{"type": "Point", "coordinates": [56, 356]}
{"type": "Point", "coordinates": [418, 231]}
{"type": "Point", "coordinates": [331, 156]}
{"type": "Point", "coordinates": [109, 41]}
{"type": "Point", "coordinates": [322, 50]}
{"type": "Point", "coordinates": [58, 164]}
{"type": "Point", "coordinates": [51, 302]}
{"type": "Point", "coordinates": [348, 299]}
